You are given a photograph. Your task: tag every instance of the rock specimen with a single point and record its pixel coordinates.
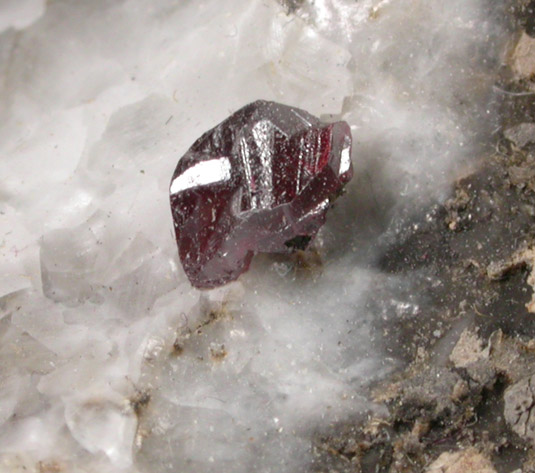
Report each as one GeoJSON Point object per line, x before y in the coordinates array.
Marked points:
{"type": "Point", "coordinates": [260, 181]}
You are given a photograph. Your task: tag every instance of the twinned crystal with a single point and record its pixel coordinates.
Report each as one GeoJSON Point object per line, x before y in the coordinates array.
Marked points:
{"type": "Point", "coordinates": [260, 181]}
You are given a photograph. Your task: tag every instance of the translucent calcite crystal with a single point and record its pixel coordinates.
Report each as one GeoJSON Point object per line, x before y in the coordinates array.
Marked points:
{"type": "Point", "coordinates": [260, 181]}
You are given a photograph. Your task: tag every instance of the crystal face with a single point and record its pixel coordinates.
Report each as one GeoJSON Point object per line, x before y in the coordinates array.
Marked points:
{"type": "Point", "coordinates": [260, 181]}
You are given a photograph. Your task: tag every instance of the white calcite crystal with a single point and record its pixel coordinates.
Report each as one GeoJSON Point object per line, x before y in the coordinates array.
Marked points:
{"type": "Point", "coordinates": [109, 360]}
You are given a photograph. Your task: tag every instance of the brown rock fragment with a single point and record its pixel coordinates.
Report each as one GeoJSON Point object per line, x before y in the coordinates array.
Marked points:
{"type": "Point", "coordinates": [523, 60]}
{"type": "Point", "coordinates": [463, 461]}
{"type": "Point", "coordinates": [518, 410]}
{"type": "Point", "coordinates": [511, 356]}
{"type": "Point", "coordinates": [524, 257]}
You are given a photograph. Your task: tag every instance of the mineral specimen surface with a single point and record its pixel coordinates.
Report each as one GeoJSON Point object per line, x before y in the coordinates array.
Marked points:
{"type": "Point", "coordinates": [260, 181]}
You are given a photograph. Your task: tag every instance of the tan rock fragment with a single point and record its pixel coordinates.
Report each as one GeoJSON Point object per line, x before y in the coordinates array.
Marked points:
{"type": "Point", "coordinates": [511, 356]}
{"type": "Point", "coordinates": [521, 135]}
{"type": "Point", "coordinates": [523, 60]}
{"type": "Point", "coordinates": [468, 350]}
{"type": "Point", "coordinates": [463, 461]}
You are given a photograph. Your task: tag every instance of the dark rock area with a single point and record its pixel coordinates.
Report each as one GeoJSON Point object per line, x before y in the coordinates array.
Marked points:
{"type": "Point", "coordinates": [465, 398]}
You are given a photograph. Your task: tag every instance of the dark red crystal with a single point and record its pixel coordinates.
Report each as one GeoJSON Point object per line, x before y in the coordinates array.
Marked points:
{"type": "Point", "coordinates": [260, 181]}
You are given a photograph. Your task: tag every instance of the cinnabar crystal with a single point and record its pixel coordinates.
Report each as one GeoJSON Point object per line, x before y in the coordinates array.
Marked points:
{"type": "Point", "coordinates": [260, 181]}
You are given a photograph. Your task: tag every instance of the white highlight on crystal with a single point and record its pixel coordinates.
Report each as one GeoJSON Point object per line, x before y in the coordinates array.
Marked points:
{"type": "Point", "coordinates": [244, 153]}
{"type": "Point", "coordinates": [202, 174]}
{"type": "Point", "coordinates": [264, 137]}
{"type": "Point", "coordinates": [345, 161]}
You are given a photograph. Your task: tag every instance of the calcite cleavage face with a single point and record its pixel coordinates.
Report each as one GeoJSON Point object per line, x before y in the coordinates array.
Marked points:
{"type": "Point", "coordinates": [260, 181]}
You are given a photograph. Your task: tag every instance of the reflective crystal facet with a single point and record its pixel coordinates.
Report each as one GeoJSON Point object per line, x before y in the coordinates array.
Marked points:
{"type": "Point", "coordinates": [260, 181]}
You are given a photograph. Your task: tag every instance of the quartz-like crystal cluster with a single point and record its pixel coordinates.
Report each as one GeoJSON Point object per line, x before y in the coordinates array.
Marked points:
{"type": "Point", "coordinates": [260, 181]}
